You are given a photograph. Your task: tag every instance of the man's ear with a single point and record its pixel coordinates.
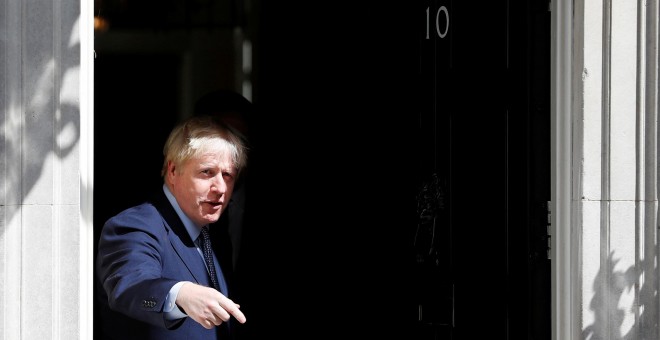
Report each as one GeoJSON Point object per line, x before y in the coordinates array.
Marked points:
{"type": "Point", "coordinates": [171, 168]}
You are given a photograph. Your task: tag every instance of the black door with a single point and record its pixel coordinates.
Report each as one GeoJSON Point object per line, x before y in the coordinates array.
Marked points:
{"type": "Point", "coordinates": [481, 235]}
{"type": "Point", "coordinates": [400, 181]}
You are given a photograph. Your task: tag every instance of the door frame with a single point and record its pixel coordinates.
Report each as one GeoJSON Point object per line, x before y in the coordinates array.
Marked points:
{"type": "Point", "coordinates": [564, 249]}
{"type": "Point", "coordinates": [563, 252]}
{"type": "Point", "coordinates": [86, 282]}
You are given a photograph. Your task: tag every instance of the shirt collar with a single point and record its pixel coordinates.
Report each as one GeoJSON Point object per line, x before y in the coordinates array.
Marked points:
{"type": "Point", "coordinates": [192, 229]}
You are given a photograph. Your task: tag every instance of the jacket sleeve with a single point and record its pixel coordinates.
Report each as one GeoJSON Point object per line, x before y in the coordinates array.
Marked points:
{"type": "Point", "coordinates": [130, 261]}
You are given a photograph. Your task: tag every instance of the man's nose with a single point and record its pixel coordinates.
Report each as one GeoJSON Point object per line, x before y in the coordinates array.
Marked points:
{"type": "Point", "coordinates": [219, 184]}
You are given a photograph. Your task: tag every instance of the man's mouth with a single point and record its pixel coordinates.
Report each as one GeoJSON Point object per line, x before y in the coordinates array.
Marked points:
{"type": "Point", "coordinates": [215, 204]}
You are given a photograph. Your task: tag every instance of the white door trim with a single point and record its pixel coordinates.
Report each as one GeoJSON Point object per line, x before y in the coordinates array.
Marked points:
{"type": "Point", "coordinates": [86, 307]}
{"type": "Point", "coordinates": [564, 248]}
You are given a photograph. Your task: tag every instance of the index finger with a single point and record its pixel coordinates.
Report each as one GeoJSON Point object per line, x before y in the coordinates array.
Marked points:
{"type": "Point", "coordinates": [233, 309]}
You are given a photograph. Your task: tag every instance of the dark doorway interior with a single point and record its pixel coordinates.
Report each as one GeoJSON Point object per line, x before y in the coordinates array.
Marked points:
{"type": "Point", "coordinates": [357, 111]}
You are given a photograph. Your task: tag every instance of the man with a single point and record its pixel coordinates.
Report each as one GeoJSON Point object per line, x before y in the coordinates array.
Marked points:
{"type": "Point", "coordinates": [234, 111]}
{"type": "Point", "coordinates": [151, 260]}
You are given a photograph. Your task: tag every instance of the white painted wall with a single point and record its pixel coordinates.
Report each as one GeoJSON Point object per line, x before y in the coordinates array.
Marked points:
{"type": "Point", "coordinates": [606, 237]}
{"type": "Point", "coordinates": [46, 101]}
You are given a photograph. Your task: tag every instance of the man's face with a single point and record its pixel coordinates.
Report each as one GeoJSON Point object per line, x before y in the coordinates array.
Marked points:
{"type": "Point", "coordinates": [203, 185]}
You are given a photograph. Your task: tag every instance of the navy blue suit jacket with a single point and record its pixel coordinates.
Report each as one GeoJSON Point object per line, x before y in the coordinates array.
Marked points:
{"type": "Point", "coordinates": [142, 252]}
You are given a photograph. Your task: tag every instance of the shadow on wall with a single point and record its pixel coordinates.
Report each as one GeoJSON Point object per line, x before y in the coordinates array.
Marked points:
{"type": "Point", "coordinates": [615, 289]}
{"type": "Point", "coordinates": [39, 128]}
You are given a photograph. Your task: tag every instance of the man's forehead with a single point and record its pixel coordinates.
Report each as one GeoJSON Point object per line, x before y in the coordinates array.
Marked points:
{"type": "Point", "coordinates": [221, 160]}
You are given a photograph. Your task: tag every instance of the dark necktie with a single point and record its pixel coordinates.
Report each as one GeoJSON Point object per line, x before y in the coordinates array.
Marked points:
{"type": "Point", "coordinates": [208, 256]}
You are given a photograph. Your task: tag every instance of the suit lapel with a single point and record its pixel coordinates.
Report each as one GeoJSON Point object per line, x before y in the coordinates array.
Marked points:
{"type": "Point", "coordinates": [180, 239]}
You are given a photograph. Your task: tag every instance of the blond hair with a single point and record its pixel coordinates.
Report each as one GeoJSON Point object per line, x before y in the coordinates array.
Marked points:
{"type": "Point", "coordinates": [193, 136]}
